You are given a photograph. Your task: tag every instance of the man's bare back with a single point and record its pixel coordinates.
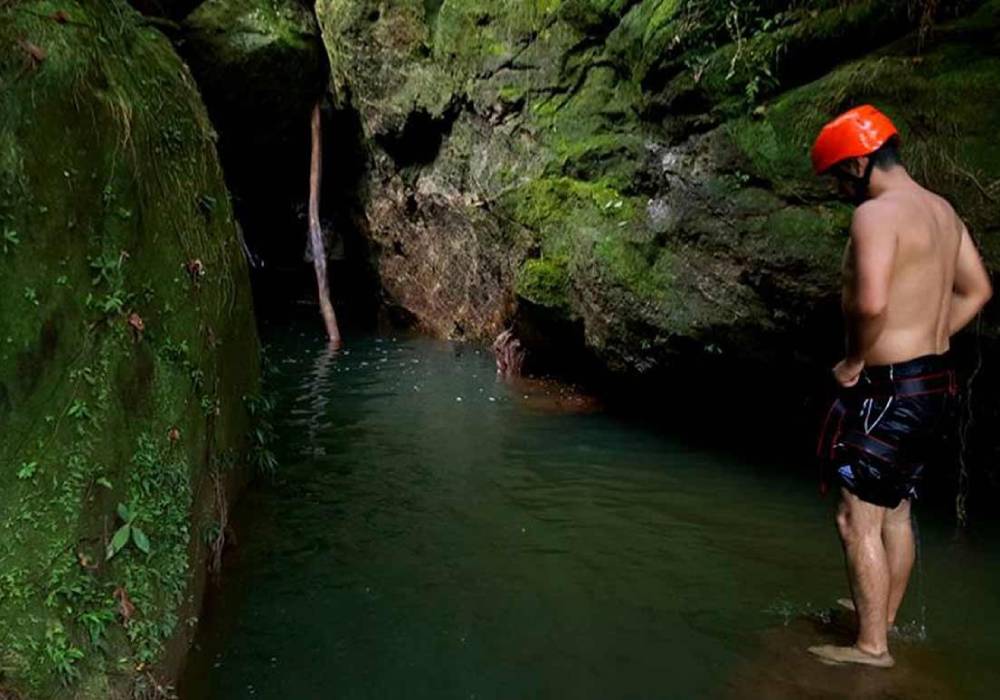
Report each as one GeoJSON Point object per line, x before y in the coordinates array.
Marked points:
{"type": "Point", "coordinates": [922, 236]}
{"type": "Point", "coordinates": [912, 274]}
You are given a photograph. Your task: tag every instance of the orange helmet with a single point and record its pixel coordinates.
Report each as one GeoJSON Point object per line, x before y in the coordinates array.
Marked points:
{"type": "Point", "coordinates": [855, 133]}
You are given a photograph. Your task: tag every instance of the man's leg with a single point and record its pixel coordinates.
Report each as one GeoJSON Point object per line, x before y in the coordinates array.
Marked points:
{"type": "Point", "coordinates": [860, 526]}
{"type": "Point", "coordinates": [900, 550]}
{"type": "Point", "coordinates": [897, 536]}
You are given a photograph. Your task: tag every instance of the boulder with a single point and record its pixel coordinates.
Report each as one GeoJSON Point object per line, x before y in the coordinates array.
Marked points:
{"type": "Point", "coordinates": [128, 350]}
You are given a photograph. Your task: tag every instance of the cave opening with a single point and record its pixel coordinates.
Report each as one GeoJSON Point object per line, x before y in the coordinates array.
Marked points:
{"type": "Point", "coordinates": [261, 114]}
{"type": "Point", "coordinates": [271, 199]}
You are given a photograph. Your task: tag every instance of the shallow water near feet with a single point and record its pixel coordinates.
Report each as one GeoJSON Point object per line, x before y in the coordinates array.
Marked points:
{"type": "Point", "coordinates": [434, 533]}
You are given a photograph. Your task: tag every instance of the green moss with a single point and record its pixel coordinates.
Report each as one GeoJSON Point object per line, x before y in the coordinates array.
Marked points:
{"type": "Point", "coordinates": [566, 214]}
{"type": "Point", "coordinates": [588, 229]}
{"type": "Point", "coordinates": [804, 234]}
{"type": "Point", "coordinates": [544, 281]}
{"type": "Point", "coordinates": [468, 35]}
{"type": "Point", "coordinates": [428, 87]}
{"type": "Point", "coordinates": [106, 211]}
{"type": "Point", "coordinates": [646, 271]}
{"type": "Point", "coordinates": [511, 93]}
{"type": "Point", "coordinates": [753, 201]}
{"type": "Point", "coordinates": [764, 51]}
{"type": "Point", "coordinates": [778, 144]}
{"type": "Point", "coordinates": [614, 158]}
{"type": "Point", "coordinates": [942, 101]}
{"type": "Point", "coordinates": [592, 132]}
{"type": "Point", "coordinates": [159, 493]}
{"type": "Point", "coordinates": [243, 26]}
{"type": "Point", "coordinates": [651, 32]}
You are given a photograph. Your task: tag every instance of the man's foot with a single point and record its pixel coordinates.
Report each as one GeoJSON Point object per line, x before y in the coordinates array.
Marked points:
{"type": "Point", "coordinates": [835, 656]}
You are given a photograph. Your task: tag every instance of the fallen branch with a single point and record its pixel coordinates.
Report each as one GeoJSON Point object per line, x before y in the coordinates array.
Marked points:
{"type": "Point", "coordinates": [316, 233]}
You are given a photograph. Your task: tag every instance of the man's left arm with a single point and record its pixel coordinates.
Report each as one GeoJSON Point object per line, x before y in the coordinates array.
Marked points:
{"type": "Point", "coordinates": [872, 255]}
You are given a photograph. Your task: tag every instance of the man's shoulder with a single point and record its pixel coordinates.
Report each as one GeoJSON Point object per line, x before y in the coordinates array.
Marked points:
{"type": "Point", "coordinates": [877, 215]}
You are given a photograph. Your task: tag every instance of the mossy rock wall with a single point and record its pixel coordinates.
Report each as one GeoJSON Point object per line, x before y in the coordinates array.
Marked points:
{"type": "Point", "coordinates": [127, 346]}
{"type": "Point", "coordinates": [640, 167]}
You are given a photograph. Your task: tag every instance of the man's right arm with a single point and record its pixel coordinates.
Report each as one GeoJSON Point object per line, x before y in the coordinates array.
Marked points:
{"type": "Point", "coordinates": [972, 287]}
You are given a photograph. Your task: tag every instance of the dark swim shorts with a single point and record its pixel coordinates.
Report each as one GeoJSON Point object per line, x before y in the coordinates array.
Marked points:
{"type": "Point", "coordinates": [876, 435]}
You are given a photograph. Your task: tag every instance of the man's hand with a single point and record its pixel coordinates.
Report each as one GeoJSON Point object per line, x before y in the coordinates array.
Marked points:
{"type": "Point", "coordinates": [847, 372]}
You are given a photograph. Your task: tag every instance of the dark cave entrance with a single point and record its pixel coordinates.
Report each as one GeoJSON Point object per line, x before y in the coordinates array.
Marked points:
{"type": "Point", "coordinates": [262, 116]}
{"type": "Point", "coordinates": [271, 196]}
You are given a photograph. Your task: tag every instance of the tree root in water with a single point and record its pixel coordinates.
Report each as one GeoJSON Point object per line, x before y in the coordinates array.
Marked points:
{"type": "Point", "coordinates": [509, 354]}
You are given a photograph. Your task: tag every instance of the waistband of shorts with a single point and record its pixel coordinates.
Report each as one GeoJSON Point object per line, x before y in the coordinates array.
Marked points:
{"type": "Point", "coordinates": [916, 367]}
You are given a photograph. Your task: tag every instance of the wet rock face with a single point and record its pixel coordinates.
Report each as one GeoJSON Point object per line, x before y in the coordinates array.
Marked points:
{"type": "Point", "coordinates": [640, 168]}
{"type": "Point", "coordinates": [442, 259]}
{"type": "Point", "coordinates": [128, 341]}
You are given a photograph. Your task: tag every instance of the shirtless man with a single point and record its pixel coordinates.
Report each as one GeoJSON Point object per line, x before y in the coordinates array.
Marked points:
{"type": "Point", "coordinates": [912, 278]}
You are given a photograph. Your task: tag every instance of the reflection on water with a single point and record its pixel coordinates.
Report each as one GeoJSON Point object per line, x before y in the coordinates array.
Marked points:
{"type": "Point", "coordinates": [435, 534]}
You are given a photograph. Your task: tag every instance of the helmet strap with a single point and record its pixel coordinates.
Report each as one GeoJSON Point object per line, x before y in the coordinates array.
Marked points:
{"type": "Point", "coordinates": [867, 178]}
{"type": "Point", "coordinates": [863, 182]}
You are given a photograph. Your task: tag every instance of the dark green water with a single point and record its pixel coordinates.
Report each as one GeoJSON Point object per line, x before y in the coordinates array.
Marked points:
{"type": "Point", "coordinates": [432, 534]}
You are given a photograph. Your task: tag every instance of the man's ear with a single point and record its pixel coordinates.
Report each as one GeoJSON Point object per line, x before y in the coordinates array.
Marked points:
{"type": "Point", "coordinates": [858, 165]}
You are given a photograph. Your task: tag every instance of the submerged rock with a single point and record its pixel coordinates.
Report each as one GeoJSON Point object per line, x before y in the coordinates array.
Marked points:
{"type": "Point", "coordinates": [121, 370]}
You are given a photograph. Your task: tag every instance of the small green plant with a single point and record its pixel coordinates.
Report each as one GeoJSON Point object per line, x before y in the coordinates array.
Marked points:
{"type": "Point", "coordinates": [211, 406]}
{"type": "Point", "coordinates": [159, 494]}
{"type": "Point", "coordinates": [128, 531]}
{"type": "Point", "coordinates": [78, 409]}
{"type": "Point", "coordinates": [176, 351]}
{"type": "Point", "coordinates": [85, 373]}
{"type": "Point", "coordinates": [197, 378]}
{"type": "Point", "coordinates": [113, 303]}
{"type": "Point", "coordinates": [107, 268]}
{"type": "Point", "coordinates": [61, 653]}
{"type": "Point", "coordinates": [96, 622]}
{"type": "Point", "coordinates": [27, 470]}
{"type": "Point", "coordinates": [261, 408]}
{"type": "Point", "coordinates": [31, 295]}
{"type": "Point", "coordinates": [109, 272]}
{"type": "Point", "coordinates": [206, 203]}
{"type": "Point", "coordinates": [12, 585]}
{"type": "Point", "coordinates": [10, 240]}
